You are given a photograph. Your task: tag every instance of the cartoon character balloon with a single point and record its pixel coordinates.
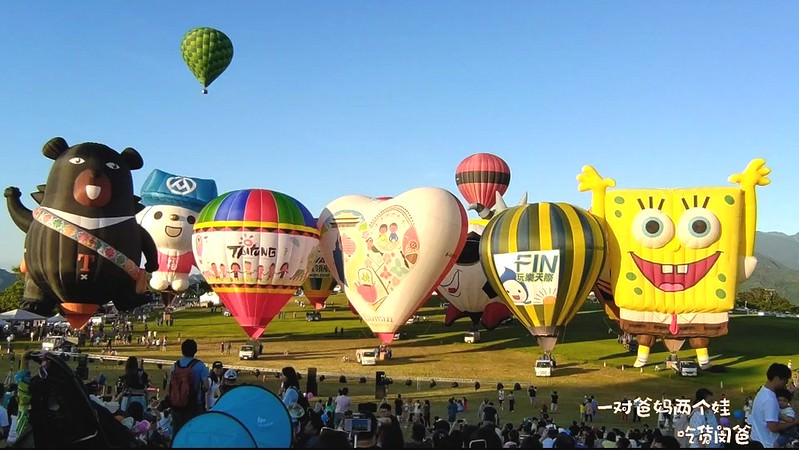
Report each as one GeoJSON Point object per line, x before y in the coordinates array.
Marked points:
{"type": "Point", "coordinates": [479, 178]}
{"type": "Point", "coordinates": [83, 246]}
{"type": "Point", "coordinates": [172, 205]}
{"type": "Point", "coordinates": [320, 283]}
{"type": "Point", "coordinates": [466, 288]}
{"type": "Point", "coordinates": [253, 247]}
{"type": "Point", "coordinates": [389, 254]}
{"type": "Point", "coordinates": [543, 259]}
{"type": "Point", "coordinates": [675, 256]}
{"type": "Point", "coordinates": [207, 52]}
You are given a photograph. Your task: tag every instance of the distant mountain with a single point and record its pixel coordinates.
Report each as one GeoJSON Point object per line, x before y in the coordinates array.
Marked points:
{"type": "Point", "coordinates": [6, 279]}
{"type": "Point", "coordinates": [777, 265]}
{"type": "Point", "coordinates": [780, 247]}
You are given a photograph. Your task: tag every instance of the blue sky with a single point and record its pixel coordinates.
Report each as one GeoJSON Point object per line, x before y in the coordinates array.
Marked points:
{"type": "Point", "coordinates": [328, 98]}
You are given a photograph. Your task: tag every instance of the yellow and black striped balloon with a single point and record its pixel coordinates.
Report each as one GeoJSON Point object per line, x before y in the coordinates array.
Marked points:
{"type": "Point", "coordinates": [580, 240]}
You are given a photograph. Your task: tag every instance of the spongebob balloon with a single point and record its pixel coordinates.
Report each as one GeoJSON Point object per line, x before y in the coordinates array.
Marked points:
{"type": "Point", "coordinates": [675, 256]}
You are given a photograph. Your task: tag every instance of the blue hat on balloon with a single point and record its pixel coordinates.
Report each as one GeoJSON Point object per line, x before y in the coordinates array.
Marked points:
{"type": "Point", "coordinates": [164, 188]}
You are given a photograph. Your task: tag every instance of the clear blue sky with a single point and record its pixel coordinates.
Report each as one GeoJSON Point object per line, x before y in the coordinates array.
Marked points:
{"type": "Point", "coordinates": [327, 98]}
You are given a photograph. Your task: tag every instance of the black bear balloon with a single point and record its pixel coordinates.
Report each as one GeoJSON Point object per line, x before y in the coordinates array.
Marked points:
{"type": "Point", "coordinates": [83, 244]}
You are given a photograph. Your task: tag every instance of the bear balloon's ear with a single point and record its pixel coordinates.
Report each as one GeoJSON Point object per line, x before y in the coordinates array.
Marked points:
{"type": "Point", "coordinates": [137, 204]}
{"type": "Point", "coordinates": [133, 158]}
{"type": "Point", "coordinates": [55, 147]}
{"type": "Point", "coordinates": [38, 196]}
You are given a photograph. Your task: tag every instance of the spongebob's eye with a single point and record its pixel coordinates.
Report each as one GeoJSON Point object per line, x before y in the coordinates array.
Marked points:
{"type": "Point", "coordinates": [76, 160]}
{"type": "Point", "coordinates": [652, 228]}
{"type": "Point", "coordinates": [698, 228]}
{"type": "Point", "coordinates": [112, 165]}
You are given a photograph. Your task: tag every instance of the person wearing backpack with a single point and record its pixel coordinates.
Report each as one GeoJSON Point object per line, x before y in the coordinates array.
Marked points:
{"type": "Point", "coordinates": [188, 383]}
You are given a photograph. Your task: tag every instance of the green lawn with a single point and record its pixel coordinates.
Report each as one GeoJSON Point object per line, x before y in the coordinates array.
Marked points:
{"type": "Point", "coordinates": [589, 358]}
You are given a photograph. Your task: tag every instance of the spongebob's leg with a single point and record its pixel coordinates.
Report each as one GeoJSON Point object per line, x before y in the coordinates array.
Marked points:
{"type": "Point", "coordinates": [645, 342]}
{"type": "Point", "coordinates": [700, 344]}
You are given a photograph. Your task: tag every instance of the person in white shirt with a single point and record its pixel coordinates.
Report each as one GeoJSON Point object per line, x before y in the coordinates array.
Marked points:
{"type": "Point", "coordinates": [747, 408]}
{"type": "Point", "coordinates": [765, 417]}
{"type": "Point", "coordinates": [343, 404]}
{"type": "Point", "coordinates": [215, 382]}
{"type": "Point", "coordinates": [704, 423]}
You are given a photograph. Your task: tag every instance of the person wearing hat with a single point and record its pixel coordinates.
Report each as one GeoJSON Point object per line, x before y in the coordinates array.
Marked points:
{"type": "Point", "coordinates": [215, 379]}
{"type": "Point", "coordinates": [229, 381]}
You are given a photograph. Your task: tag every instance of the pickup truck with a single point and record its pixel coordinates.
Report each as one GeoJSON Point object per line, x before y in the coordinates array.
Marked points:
{"type": "Point", "coordinates": [60, 344]}
{"type": "Point", "coordinates": [687, 368]}
{"type": "Point", "coordinates": [543, 368]}
{"type": "Point", "coordinates": [471, 337]}
{"type": "Point", "coordinates": [51, 343]}
{"type": "Point", "coordinates": [248, 352]}
{"type": "Point", "coordinates": [366, 356]}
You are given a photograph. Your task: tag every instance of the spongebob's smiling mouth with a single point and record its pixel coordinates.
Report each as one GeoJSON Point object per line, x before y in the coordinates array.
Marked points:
{"type": "Point", "coordinates": [675, 278]}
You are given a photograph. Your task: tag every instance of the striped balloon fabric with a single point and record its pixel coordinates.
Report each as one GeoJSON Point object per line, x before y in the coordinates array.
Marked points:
{"type": "Point", "coordinates": [543, 259]}
{"type": "Point", "coordinates": [207, 52]}
{"type": "Point", "coordinates": [480, 176]}
{"type": "Point", "coordinates": [254, 248]}
{"type": "Point", "coordinates": [257, 208]}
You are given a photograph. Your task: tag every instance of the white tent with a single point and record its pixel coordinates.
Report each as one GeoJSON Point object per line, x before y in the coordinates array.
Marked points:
{"type": "Point", "coordinates": [58, 318]}
{"type": "Point", "coordinates": [19, 315]}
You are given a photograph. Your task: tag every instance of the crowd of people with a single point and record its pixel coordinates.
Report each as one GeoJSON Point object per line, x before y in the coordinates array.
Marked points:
{"type": "Point", "coordinates": [153, 416]}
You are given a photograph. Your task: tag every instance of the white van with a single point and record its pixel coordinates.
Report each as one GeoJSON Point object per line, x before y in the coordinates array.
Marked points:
{"type": "Point", "coordinates": [366, 356]}
{"type": "Point", "coordinates": [543, 368]}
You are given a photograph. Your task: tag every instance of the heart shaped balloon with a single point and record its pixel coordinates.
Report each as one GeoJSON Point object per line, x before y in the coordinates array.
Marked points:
{"type": "Point", "coordinates": [388, 254]}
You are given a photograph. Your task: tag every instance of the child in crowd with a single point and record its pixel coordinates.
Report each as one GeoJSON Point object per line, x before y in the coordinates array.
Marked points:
{"type": "Point", "coordinates": [787, 414]}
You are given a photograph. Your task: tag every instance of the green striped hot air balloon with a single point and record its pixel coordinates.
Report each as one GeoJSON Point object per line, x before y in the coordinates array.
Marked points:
{"type": "Point", "coordinates": [543, 259]}
{"type": "Point", "coordinates": [207, 52]}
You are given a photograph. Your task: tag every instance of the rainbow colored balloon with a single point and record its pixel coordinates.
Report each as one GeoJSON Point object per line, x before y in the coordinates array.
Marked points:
{"type": "Point", "coordinates": [253, 247]}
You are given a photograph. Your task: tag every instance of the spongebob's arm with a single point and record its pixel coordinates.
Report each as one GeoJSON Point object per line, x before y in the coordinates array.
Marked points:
{"type": "Point", "coordinates": [589, 179]}
{"type": "Point", "coordinates": [755, 174]}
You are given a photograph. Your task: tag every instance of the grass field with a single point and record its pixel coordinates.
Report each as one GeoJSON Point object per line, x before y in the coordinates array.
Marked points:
{"type": "Point", "coordinates": [589, 358]}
